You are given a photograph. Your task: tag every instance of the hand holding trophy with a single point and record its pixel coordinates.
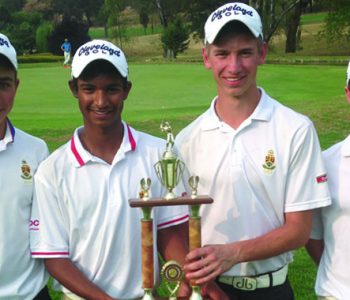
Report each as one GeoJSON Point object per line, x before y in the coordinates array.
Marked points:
{"type": "Point", "coordinates": [169, 170]}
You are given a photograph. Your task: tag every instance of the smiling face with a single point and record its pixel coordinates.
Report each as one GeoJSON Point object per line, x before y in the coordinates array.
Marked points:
{"type": "Point", "coordinates": [234, 58]}
{"type": "Point", "coordinates": [101, 92]}
{"type": "Point", "coordinates": [8, 87]}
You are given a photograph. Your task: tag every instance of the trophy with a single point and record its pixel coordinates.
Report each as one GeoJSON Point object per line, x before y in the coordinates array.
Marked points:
{"type": "Point", "coordinates": [169, 170]}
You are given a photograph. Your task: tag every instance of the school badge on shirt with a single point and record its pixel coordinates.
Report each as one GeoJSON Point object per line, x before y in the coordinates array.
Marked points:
{"type": "Point", "coordinates": [269, 164]}
{"type": "Point", "coordinates": [25, 168]}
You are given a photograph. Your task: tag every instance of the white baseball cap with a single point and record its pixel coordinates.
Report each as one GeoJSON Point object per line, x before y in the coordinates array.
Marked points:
{"type": "Point", "coordinates": [348, 74]}
{"type": "Point", "coordinates": [99, 49]}
{"type": "Point", "coordinates": [234, 11]}
{"type": "Point", "coordinates": [8, 50]}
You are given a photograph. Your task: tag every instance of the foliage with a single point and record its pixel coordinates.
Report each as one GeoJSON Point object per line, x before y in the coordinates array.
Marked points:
{"type": "Point", "coordinates": [42, 34]}
{"type": "Point", "coordinates": [76, 31]}
{"type": "Point", "coordinates": [175, 38]}
{"type": "Point", "coordinates": [22, 30]}
{"type": "Point", "coordinates": [337, 21]}
{"type": "Point", "coordinates": [144, 18]}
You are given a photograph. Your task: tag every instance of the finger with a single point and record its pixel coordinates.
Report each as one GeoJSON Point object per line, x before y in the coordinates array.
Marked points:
{"type": "Point", "coordinates": [195, 254]}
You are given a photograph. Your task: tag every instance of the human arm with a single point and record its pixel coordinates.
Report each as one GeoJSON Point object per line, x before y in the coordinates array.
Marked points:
{"type": "Point", "coordinates": [65, 272]}
{"type": "Point", "coordinates": [315, 249]}
{"type": "Point", "coordinates": [206, 263]}
{"type": "Point", "coordinates": [315, 245]}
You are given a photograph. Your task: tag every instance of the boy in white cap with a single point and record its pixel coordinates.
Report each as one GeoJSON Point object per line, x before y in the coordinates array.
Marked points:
{"type": "Point", "coordinates": [259, 160]}
{"type": "Point", "coordinates": [87, 233]}
{"type": "Point", "coordinates": [328, 245]}
{"type": "Point", "coordinates": [21, 276]}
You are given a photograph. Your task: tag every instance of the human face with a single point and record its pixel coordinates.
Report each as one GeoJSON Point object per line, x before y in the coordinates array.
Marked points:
{"type": "Point", "coordinates": [234, 61]}
{"type": "Point", "coordinates": [101, 99]}
{"type": "Point", "coordinates": [8, 87]}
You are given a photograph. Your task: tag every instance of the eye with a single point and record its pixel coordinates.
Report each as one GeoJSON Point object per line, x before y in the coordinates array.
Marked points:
{"type": "Point", "coordinates": [4, 85]}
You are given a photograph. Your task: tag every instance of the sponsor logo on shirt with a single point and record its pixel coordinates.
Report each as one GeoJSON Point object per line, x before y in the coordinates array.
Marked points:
{"type": "Point", "coordinates": [34, 224]}
{"type": "Point", "coordinates": [26, 172]}
{"type": "Point", "coordinates": [322, 178]}
{"type": "Point", "coordinates": [269, 164]}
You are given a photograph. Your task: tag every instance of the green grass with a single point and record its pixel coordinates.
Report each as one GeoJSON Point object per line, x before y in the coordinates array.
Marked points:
{"type": "Point", "coordinates": [313, 18]}
{"type": "Point", "coordinates": [179, 93]}
{"type": "Point", "coordinates": [131, 31]}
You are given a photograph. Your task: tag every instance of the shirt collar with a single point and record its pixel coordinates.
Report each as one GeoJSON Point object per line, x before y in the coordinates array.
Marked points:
{"type": "Point", "coordinates": [262, 112]}
{"type": "Point", "coordinates": [82, 156]}
{"type": "Point", "coordinates": [9, 136]}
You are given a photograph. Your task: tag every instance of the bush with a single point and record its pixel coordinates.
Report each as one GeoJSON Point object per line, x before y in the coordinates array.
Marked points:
{"type": "Point", "coordinates": [42, 34]}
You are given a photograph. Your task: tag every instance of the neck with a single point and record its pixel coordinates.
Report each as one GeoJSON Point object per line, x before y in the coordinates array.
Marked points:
{"type": "Point", "coordinates": [101, 142]}
{"type": "Point", "coordinates": [235, 110]}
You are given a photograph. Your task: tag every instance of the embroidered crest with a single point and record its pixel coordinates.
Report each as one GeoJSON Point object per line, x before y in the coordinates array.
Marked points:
{"type": "Point", "coordinates": [25, 168]}
{"type": "Point", "coordinates": [269, 164]}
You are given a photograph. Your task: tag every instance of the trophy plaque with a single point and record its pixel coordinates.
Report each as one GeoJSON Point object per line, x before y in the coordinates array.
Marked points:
{"type": "Point", "coordinates": [169, 170]}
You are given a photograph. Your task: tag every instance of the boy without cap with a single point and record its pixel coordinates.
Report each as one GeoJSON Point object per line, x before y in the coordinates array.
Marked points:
{"type": "Point", "coordinates": [21, 277]}
{"type": "Point", "coordinates": [328, 244]}
{"type": "Point", "coordinates": [86, 231]}
{"type": "Point", "coordinates": [260, 162]}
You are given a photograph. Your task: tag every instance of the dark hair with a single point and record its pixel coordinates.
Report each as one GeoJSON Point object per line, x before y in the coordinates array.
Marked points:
{"type": "Point", "coordinates": [96, 68]}
{"type": "Point", "coordinates": [6, 63]}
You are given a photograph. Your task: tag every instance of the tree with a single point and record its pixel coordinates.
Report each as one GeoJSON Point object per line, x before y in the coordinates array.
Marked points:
{"type": "Point", "coordinates": [337, 21]}
{"type": "Point", "coordinates": [175, 38]}
{"type": "Point", "coordinates": [113, 10]}
{"type": "Point", "coordinates": [76, 31]}
{"type": "Point", "coordinates": [144, 19]}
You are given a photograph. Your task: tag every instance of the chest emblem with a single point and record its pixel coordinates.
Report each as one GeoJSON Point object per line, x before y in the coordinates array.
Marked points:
{"type": "Point", "coordinates": [269, 164]}
{"type": "Point", "coordinates": [25, 168]}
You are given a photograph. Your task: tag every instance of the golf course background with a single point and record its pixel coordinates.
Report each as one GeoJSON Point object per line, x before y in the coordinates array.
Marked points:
{"type": "Point", "coordinates": [179, 92]}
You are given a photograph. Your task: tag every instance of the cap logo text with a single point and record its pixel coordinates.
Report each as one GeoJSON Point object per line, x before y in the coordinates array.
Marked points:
{"type": "Point", "coordinates": [98, 48]}
{"type": "Point", "coordinates": [4, 42]}
{"type": "Point", "coordinates": [229, 10]}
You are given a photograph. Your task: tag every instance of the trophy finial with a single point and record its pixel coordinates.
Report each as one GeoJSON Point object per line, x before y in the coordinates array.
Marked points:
{"type": "Point", "coordinates": [193, 183]}
{"type": "Point", "coordinates": [145, 186]}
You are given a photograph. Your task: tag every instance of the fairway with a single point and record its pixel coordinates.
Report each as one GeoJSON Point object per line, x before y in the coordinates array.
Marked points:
{"type": "Point", "coordinates": [179, 92]}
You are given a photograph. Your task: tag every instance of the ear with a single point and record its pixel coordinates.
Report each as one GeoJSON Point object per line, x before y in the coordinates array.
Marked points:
{"type": "Point", "coordinates": [205, 55]}
{"type": "Point", "coordinates": [347, 92]}
{"type": "Point", "coordinates": [263, 53]}
{"type": "Point", "coordinates": [16, 83]}
{"type": "Point", "coordinates": [73, 87]}
{"type": "Point", "coordinates": [127, 89]}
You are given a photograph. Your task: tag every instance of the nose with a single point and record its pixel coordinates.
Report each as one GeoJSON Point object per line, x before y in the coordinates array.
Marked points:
{"type": "Point", "coordinates": [233, 63]}
{"type": "Point", "coordinates": [101, 98]}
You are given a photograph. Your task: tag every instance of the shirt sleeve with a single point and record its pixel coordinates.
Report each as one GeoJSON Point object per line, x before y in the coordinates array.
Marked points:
{"type": "Point", "coordinates": [48, 227]}
{"type": "Point", "coordinates": [306, 186]}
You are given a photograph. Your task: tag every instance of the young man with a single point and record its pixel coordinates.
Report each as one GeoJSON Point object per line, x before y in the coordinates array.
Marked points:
{"type": "Point", "coordinates": [260, 162]}
{"type": "Point", "coordinates": [86, 231]}
{"type": "Point", "coordinates": [328, 245]}
{"type": "Point", "coordinates": [21, 277]}
{"type": "Point", "coordinates": [66, 47]}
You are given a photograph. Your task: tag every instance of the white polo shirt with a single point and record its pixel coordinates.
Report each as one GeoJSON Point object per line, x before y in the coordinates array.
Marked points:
{"type": "Point", "coordinates": [269, 166]}
{"type": "Point", "coordinates": [21, 276]}
{"type": "Point", "coordinates": [82, 212]}
{"type": "Point", "coordinates": [332, 224]}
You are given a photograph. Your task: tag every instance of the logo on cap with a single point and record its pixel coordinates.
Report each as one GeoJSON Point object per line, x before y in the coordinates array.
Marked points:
{"type": "Point", "coordinates": [4, 42]}
{"type": "Point", "coordinates": [229, 10]}
{"type": "Point", "coordinates": [96, 48]}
